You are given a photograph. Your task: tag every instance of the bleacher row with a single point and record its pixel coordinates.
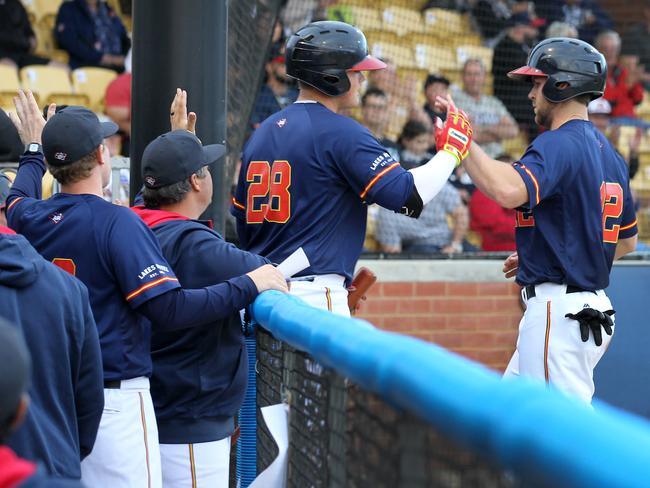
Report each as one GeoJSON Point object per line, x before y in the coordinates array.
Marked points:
{"type": "Point", "coordinates": [50, 84]}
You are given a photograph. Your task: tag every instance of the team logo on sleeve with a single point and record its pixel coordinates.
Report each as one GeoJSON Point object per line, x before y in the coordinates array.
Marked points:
{"type": "Point", "coordinates": [56, 218]}
{"type": "Point", "coordinates": [381, 161]}
{"type": "Point", "coordinates": [281, 123]}
{"type": "Point", "coordinates": [153, 271]}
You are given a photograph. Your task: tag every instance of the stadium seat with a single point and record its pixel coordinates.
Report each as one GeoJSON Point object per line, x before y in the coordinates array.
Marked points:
{"type": "Point", "coordinates": [443, 22]}
{"type": "Point", "coordinates": [381, 36]}
{"type": "Point", "coordinates": [51, 84]}
{"type": "Point", "coordinates": [402, 20]}
{"type": "Point", "coordinates": [401, 55]}
{"type": "Point", "coordinates": [434, 58]}
{"type": "Point", "coordinates": [92, 82]}
{"type": "Point", "coordinates": [43, 8]}
{"type": "Point", "coordinates": [9, 86]}
{"type": "Point", "coordinates": [365, 18]}
{"type": "Point", "coordinates": [485, 54]}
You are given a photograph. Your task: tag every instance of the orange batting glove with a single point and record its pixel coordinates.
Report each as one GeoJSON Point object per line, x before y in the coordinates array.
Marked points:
{"type": "Point", "coordinates": [455, 136]}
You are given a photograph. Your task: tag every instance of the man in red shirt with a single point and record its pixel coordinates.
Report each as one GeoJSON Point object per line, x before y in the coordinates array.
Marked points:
{"type": "Point", "coordinates": [495, 224]}
{"type": "Point", "coordinates": [623, 89]}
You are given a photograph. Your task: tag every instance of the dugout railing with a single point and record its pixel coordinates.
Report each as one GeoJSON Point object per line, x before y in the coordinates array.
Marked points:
{"type": "Point", "coordinates": [374, 408]}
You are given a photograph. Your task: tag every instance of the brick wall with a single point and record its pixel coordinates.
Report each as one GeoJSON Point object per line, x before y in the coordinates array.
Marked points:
{"type": "Point", "coordinates": [476, 319]}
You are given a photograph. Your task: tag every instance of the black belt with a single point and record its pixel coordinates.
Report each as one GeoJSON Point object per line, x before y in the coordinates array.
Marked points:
{"type": "Point", "coordinates": [112, 384]}
{"type": "Point", "coordinates": [530, 290]}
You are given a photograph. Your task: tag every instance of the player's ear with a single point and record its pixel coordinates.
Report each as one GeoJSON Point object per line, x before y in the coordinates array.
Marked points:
{"type": "Point", "coordinates": [195, 183]}
{"type": "Point", "coordinates": [99, 152]}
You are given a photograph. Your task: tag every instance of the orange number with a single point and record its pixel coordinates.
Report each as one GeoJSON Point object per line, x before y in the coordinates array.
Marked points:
{"type": "Point", "coordinates": [611, 199]}
{"type": "Point", "coordinates": [525, 219]}
{"type": "Point", "coordinates": [273, 181]}
{"type": "Point", "coordinates": [66, 265]}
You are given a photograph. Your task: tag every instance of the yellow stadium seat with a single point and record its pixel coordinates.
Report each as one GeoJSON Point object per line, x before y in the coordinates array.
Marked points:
{"type": "Point", "coordinates": [43, 8]}
{"type": "Point", "coordinates": [485, 54]}
{"type": "Point", "coordinates": [365, 18]}
{"type": "Point", "coordinates": [401, 55]}
{"type": "Point", "coordinates": [410, 4]}
{"type": "Point", "coordinates": [381, 36]}
{"type": "Point", "coordinates": [440, 21]}
{"type": "Point", "coordinates": [51, 84]}
{"type": "Point", "coordinates": [9, 86]}
{"type": "Point", "coordinates": [44, 29]}
{"type": "Point", "coordinates": [92, 82]}
{"type": "Point", "coordinates": [434, 58]}
{"type": "Point", "coordinates": [402, 20]}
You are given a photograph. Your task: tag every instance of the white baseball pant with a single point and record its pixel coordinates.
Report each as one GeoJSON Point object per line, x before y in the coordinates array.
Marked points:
{"type": "Point", "coordinates": [549, 346]}
{"type": "Point", "coordinates": [326, 292]}
{"type": "Point", "coordinates": [199, 465]}
{"type": "Point", "coordinates": [126, 453]}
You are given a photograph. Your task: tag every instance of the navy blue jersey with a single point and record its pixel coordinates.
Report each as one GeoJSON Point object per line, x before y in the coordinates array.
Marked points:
{"type": "Point", "coordinates": [307, 174]}
{"type": "Point", "coordinates": [579, 206]}
{"type": "Point", "coordinates": [113, 253]}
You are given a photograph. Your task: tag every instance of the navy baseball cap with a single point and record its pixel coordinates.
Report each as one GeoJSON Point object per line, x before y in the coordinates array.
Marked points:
{"type": "Point", "coordinates": [5, 186]}
{"type": "Point", "coordinates": [72, 133]}
{"type": "Point", "coordinates": [175, 156]}
{"type": "Point", "coordinates": [16, 369]}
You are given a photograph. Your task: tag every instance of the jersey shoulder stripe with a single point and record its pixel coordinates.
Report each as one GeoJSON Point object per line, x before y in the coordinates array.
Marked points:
{"type": "Point", "coordinates": [629, 226]}
{"type": "Point", "coordinates": [376, 178]}
{"type": "Point", "coordinates": [15, 201]}
{"type": "Point", "coordinates": [532, 177]}
{"type": "Point", "coordinates": [237, 204]}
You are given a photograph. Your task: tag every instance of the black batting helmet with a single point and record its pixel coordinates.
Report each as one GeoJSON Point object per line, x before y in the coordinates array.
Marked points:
{"type": "Point", "coordinates": [565, 60]}
{"type": "Point", "coordinates": [320, 53]}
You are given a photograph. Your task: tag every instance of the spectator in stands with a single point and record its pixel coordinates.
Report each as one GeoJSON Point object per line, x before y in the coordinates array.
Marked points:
{"type": "Point", "coordinates": [277, 92]}
{"type": "Point", "coordinates": [52, 310]}
{"type": "Point", "coordinates": [491, 120]}
{"type": "Point", "coordinates": [623, 89]}
{"type": "Point", "coordinates": [492, 17]}
{"type": "Point", "coordinates": [637, 42]}
{"type": "Point", "coordinates": [435, 86]}
{"type": "Point", "coordinates": [599, 111]}
{"type": "Point", "coordinates": [10, 146]}
{"type": "Point", "coordinates": [14, 402]}
{"type": "Point", "coordinates": [374, 115]}
{"type": "Point", "coordinates": [298, 13]}
{"type": "Point", "coordinates": [561, 29]}
{"type": "Point", "coordinates": [430, 233]}
{"type": "Point", "coordinates": [585, 15]}
{"type": "Point", "coordinates": [17, 38]}
{"type": "Point", "coordinates": [512, 50]}
{"type": "Point", "coordinates": [414, 143]}
{"type": "Point", "coordinates": [495, 224]}
{"type": "Point", "coordinates": [117, 103]}
{"type": "Point", "coordinates": [92, 34]}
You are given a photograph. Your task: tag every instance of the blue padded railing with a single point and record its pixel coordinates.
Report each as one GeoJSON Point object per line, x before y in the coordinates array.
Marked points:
{"type": "Point", "coordinates": [539, 434]}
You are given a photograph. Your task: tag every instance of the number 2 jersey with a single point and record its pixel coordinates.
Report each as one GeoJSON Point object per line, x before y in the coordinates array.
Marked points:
{"type": "Point", "coordinates": [579, 206]}
{"type": "Point", "coordinates": [307, 176]}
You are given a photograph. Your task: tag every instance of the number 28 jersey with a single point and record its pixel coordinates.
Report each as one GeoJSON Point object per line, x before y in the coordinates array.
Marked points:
{"type": "Point", "coordinates": [307, 176]}
{"type": "Point", "coordinates": [579, 206]}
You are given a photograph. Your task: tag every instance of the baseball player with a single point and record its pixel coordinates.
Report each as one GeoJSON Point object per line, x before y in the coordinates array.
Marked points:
{"type": "Point", "coordinates": [574, 217]}
{"type": "Point", "coordinates": [119, 260]}
{"type": "Point", "coordinates": [309, 173]}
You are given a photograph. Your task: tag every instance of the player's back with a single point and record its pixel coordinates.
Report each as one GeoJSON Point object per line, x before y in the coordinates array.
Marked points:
{"type": "Point", "coordinates": [94, 240]}
{"type": "Point", "coordinates": [306, 175]}
{"type": "Point", "coordinates": [584, 206]}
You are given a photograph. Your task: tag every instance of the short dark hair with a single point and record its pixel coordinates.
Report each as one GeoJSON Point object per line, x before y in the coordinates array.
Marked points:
{"type": "Point", "coordinates": [412, 129]}
{"type": "Point", "coordinates": [434, 78]}
{"type": "Point", "coordinates": [584, 99]}
{"type": "Point", "coordinates": [372, 92]}
{"type": "Point", "coordinates": [170, 194]}
{"type": "Point", "coordinates": [74, 172]}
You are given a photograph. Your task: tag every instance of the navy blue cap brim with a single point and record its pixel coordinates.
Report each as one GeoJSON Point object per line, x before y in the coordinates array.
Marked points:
{"type": "Point", "coordinates": [213, 152]}
{"type": "Point", "coordinates": [109, 129]}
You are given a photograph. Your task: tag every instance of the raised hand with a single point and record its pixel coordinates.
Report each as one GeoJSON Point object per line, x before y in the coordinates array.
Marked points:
{"type": "Point", "coordinates": [28, 118]}
{"type": "Point", "coordinates": [455, 136]}
{"type": "Point", "coordinates": [178, 115]}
